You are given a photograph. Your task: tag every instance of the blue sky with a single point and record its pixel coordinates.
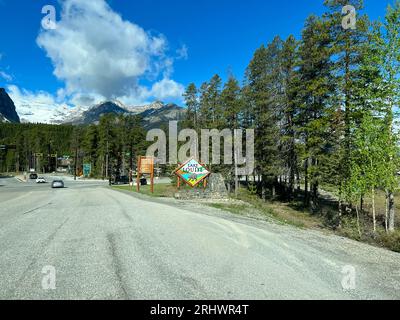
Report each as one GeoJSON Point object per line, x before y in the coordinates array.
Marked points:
{"type": "Point", "coordinates": [219, 36]}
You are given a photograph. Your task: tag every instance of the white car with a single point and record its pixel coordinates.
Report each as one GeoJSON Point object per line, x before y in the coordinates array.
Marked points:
{"type": "Point", "coordinates": [40, 180]}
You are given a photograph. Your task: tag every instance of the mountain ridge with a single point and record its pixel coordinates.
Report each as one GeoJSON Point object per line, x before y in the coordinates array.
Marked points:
{"type": "Point", "coordinates": [8, 111]}
{"type": "Point", "coordinates": [153, 115]}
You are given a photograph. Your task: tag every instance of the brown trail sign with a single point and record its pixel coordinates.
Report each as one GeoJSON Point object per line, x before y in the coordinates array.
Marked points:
{"type": "Point", "coordinates": [145, 166]}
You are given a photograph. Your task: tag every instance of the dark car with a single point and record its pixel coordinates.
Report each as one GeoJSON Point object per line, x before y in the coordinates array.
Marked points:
{"type": "Point", "coordinates": [33, 176]}
{"type": "Point", "coordinates": [57, 184]}
{"type": "Point", "coordinates": [121, 180]}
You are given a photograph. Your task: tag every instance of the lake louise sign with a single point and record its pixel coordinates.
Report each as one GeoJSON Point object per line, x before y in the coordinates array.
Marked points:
{"type": "Point", "coordinates": [192, 172]}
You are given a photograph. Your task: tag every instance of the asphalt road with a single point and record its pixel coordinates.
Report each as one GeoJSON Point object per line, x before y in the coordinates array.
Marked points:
{"type": "Point", "coordinates": [105, 244]}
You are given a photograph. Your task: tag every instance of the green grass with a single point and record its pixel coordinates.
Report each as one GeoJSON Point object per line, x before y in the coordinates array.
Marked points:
{"type": "Point", "coordinates": [160, 190]}
{"type": "Point", "coordinates": [237, 209]}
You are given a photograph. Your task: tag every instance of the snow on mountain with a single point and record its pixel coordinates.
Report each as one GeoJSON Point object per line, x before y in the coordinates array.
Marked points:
{"type": "Point", "coordinates": [43, 108]}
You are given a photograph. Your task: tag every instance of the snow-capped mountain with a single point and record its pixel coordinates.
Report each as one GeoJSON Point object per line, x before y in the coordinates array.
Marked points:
{"type": "Point", "coordinates": [153, 115]}
{"type": "Point", "coordinates": [45, 110]}
{"type": "Point", "coordinates": [7, 108]}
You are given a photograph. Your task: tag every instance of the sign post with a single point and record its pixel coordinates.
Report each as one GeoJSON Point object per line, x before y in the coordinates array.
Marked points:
{"type": "Point", "coordinates": [145, 166]}
{"type": "Point", "coordinates": [87, 169]}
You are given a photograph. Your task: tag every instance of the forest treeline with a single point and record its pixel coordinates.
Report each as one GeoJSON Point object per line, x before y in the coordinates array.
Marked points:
{"type": "Point", "coordinates": [323, 108]}
{"type": "Point", "coordinates": [111, 147]}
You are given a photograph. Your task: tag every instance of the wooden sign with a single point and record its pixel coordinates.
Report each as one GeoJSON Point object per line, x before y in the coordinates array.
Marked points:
{"type": "Point", "coordinates": [145, 166]}
{"type": "Point", "coordinates": [192, 172]}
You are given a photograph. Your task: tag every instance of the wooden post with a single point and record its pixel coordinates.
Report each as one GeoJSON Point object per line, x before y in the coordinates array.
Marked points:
{"type": "Point", "coordinates": [138, 176]}
{"type": "Point", "coordinates": [152, 178]}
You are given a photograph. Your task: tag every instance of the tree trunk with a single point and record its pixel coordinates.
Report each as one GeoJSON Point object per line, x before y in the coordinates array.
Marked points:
{"type": "Point", "coordinates": [391, 210]}
{"type": "Point", "coordinates": [358, 221]}
{"type": "Point", "coordinates": [314, 190]}
{"type": "Point", "coordinates": [273, 188]}
{"type": "Point", "coordinates": [306, 199]}
{"type": "Point", "coordinates": [236, 175]}
{"type": "Point", "coordinates": [387, 212]}
{"type": "Point", "coordinates": [298, 181]}
{"type": "Point", "coordinates": [264, 187]}
{"type": "Point", "coordinates": [373, 209]}
{"type": "Point", "coordinates": [314, 199]}
{"type": "Point", "coordinates": [340, 214]}
{"type": "Point", "coordinates": [237, 185]}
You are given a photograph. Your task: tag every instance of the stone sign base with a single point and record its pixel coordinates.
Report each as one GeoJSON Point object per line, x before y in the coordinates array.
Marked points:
{"type": "Point", "coordinates": [215, 189]}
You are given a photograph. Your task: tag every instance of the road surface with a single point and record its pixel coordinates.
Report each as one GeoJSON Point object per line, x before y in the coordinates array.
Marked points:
{"type": "Point", "coordinates": [106, 244]}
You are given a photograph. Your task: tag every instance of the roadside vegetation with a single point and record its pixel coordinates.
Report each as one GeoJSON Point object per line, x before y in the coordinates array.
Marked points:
{"type": "Point", "coordinates": [160, 190]}
{"type": "Point", "coordinates": [325, 113]}
{"type": "Point", "coordinates": [293, 213]}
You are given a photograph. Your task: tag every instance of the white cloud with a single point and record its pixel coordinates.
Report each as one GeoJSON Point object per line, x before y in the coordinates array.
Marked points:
{"type": "Point", "coordinates": [166, 89]}
{"type": "Point", "coordinates": [5, 76]}
{"type": "Point", "coordinates": [97, 53]}
{"type": "Point", "coordinates": [183, 52]}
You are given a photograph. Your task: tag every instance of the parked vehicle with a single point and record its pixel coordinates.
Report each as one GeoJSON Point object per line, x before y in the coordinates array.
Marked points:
{"type": "Point", "coordinates": [41, 180]}
{"type": "Point", "coordinates": [33, 176]}
{"type": "Point", "coordinates": [121, 180]}
{"type": "Point", "coordinates": [57, 184]}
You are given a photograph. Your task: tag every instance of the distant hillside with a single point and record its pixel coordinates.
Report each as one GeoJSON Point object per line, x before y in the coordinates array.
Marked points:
{"type": "Point", "coordinates": [153, 115]}
{"type": "Point", "coordinates": [93, 115]}
{"type": "Point", "coordinates": [155, 118]}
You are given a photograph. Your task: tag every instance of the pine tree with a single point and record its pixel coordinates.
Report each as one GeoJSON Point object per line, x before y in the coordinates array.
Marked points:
{"type": "Point", "coordinates": [315, 91]}
{"type": "Point", "coordinates": [388, 45]}
{"type": "Point", "coordinates": [347, 48]}
{"type": "Point", "coordinates": [231, 103]}
{"type": "Point", "coordinates": [263, 92]}
{"type": "Point", "coordinates": [192, 105]}
{"type": "Point", "coordinates": [288, 110]}
{"type": "Point", "coordinates": [214, 100]}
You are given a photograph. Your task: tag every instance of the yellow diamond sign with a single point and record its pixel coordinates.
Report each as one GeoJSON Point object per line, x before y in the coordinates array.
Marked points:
{"type": "Point", "coordinates": [192, 172]}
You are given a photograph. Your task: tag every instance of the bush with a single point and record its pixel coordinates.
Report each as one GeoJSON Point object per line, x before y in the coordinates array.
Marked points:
{"type": "Point", "coordinates": [349, 228]}
{"type": "Point", "coordinates": [390, 240]}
